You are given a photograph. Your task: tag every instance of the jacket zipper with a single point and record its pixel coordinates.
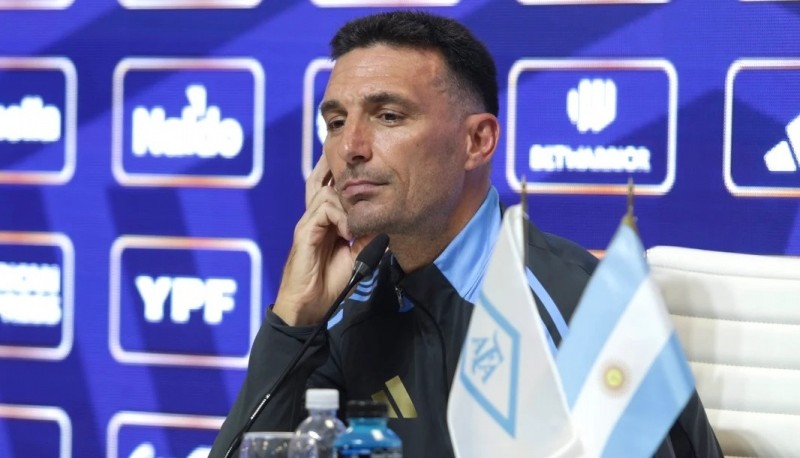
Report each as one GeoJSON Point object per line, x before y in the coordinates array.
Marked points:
{"type": "Point", "coordinates": [440, 334]}
{"type": "Point", "coordinates": [399, 292]}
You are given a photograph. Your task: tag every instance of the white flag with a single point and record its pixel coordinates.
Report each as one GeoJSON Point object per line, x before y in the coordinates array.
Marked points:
{"type": "Point", "coordinates": [506, 396]}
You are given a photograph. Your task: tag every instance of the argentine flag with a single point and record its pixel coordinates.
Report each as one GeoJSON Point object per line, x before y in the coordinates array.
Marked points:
{"type": "Point", "coordinates": [506, 399]}
{"type": "Point", "coordinates": [623, 371]}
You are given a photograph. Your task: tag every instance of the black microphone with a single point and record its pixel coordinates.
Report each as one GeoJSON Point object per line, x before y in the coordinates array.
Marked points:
{"type": "Point", "coordinates": [366, 262]}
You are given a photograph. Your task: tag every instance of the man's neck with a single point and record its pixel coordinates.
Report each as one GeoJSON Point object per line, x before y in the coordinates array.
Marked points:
{"type": "Point", "coordinates": [413, 251]}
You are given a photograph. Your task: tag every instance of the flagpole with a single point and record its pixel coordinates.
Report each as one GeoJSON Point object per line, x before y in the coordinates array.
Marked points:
{"type": "Point", "coordinates": [630, 219]}
{"type": "Point", "coordinates": [523, 198]}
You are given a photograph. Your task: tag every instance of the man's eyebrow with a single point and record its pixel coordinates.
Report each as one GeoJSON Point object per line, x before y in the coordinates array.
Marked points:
{"type": "Point", "coordinates": [330, 105]}
{"type": "Point", "coordinates": [378, 98]}
{"type": "Point", "coordinates": [382, 98]}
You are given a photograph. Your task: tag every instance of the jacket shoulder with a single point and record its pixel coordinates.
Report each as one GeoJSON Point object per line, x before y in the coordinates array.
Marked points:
{"type": "Point", "coordinates": [569, 252]}
{"type": "Point", "coordinates": [562, 266]}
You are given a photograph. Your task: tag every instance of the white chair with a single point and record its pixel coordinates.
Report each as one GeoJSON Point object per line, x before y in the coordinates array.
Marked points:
{"type": "Point", "coordinates": [738, 319]}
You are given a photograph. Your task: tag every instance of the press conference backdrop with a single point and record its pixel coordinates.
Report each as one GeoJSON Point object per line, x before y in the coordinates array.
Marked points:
{"type": "Point", "coordinates": [153, 152]}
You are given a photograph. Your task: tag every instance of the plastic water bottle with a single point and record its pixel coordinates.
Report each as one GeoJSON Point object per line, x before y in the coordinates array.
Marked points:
{"type": "Point", "coordinates": [367, 435]}
{"type": "Point", "coordinates": [322, 424]}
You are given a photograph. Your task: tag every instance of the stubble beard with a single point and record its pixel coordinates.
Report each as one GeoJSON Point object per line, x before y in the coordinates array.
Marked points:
{"type": "Point", "coordinates": [362, 223]}
{"type": "Point", "coordinates": [426, 222]}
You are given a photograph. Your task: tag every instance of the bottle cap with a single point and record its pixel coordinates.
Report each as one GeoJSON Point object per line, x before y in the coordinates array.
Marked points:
{"type": "Point", "coordinates": [322, 398]}
{"type": "Point", "coordinates": [366, 409]}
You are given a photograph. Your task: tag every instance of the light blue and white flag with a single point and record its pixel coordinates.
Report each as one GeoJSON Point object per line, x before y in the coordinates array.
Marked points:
{"type": "Point", "coordinates": [624, 373]}
{"type": "Point", "coordinates": [506, 399]}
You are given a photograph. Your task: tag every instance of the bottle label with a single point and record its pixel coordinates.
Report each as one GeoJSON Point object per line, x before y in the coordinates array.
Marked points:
{"type": "Point", "coordinates": [370, 453]}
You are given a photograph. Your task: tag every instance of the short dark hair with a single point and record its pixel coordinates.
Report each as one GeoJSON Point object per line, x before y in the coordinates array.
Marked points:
{"type": "Point", "coordinates": [466, 57]}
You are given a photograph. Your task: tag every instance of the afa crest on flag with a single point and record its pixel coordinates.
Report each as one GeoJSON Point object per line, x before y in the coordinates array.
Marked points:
{"type": "Point", "coordinates": [619, 379]}
{"type": "Point", "coordinates": [506, 396]}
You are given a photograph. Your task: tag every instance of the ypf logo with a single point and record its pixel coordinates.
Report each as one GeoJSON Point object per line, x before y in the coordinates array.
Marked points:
{"type": "Point", "coordinates": [761, 153]}
{"type": "Point", "coordinates": [160, 435]}
{"type": "Point", "coordinates": [587, 126]}
{"type": "Point", "coordinates": [212, 297]}
{"type": "Point", "coordinates": [177, 123]}
{"type": "Point", "coordinates": [184, 301]}
{"type": "Point", "coordinates": [36, 295]}
{"type": "Point", "coordinates": [38, 100]}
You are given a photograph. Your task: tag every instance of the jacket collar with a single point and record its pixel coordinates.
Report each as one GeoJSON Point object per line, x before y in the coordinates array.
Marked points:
{"type": "Point", "coordinates": [463, 262]}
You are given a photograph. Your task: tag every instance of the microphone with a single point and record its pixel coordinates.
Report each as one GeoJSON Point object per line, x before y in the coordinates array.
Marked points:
{"type": "Point", "coordinates": [366, 262]}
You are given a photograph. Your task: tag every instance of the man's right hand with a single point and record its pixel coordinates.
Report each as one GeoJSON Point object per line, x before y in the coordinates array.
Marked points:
{"type": "Point", "coordinates": [321, 258]}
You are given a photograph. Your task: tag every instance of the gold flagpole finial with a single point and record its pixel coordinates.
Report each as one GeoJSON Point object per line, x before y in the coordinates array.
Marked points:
{"type": "Point", "coordinates": [630, 218]}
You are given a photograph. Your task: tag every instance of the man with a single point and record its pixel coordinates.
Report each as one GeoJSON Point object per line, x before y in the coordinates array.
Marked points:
{"type": "Point", "coordinates": [411, 109]}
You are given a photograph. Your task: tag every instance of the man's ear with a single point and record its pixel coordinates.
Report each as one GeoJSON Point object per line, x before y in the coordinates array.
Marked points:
{"type": "Point", "coordinates": [483, 132]}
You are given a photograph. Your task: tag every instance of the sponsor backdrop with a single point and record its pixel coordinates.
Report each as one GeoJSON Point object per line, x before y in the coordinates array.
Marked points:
{"type": "Point", "coordinates": [153, 152]}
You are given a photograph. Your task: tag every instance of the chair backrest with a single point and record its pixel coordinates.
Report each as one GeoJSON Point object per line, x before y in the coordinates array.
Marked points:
{"type": "Point", "coordinates": [738, 318]}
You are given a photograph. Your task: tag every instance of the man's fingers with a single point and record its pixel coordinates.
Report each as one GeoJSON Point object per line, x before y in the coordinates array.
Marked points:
{"type": "Point", "coordinates": [320, 177]}
{"type": "Point", "coordinates": [334, 215]}
{"type": "Point", "coordinates": [325, 210]}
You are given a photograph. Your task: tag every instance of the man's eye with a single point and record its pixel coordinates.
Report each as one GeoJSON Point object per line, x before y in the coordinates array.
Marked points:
{"type": "Point", "coordinates": [390, 117]}
{"type": "Point", "coordinates": [334, 124]}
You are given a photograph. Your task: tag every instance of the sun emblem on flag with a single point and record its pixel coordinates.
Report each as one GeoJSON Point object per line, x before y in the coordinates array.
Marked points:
{"type": "Point", "coordinates": [615, 378]}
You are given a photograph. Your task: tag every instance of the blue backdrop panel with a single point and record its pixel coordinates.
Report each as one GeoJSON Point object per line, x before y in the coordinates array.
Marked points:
{"type": "Point", "coordinates": [153, 153]}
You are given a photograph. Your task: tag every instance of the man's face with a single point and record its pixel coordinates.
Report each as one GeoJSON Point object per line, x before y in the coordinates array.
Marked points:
{"type": "Point", "coordinates": [396, 142]}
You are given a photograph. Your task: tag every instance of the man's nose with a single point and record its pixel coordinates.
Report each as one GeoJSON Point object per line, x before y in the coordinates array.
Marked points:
{"type": "Point", "coordinates": [356, 141]}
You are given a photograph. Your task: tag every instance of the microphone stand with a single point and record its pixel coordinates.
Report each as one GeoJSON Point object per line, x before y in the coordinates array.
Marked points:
{"type": "Point", "coordinates": [366, 262]}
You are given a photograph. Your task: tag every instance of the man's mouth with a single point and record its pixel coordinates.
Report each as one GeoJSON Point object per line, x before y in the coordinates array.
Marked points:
{"type": "Point", "coordinates": [356, 188]}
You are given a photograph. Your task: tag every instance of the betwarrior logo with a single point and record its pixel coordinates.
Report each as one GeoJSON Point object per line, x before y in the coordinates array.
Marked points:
{"type": "Point", "coordinates": [591, 108]}
{"type": "Point", "coordinates": [592, 105]}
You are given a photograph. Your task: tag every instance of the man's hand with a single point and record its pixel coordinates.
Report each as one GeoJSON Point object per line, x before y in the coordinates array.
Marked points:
{"type": "Point", "coordinates": [321, 258]}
